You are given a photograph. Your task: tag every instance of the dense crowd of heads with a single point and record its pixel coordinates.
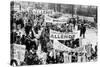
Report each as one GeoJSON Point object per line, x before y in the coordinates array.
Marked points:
{"type": "Point", "coordinates": [29, 30]}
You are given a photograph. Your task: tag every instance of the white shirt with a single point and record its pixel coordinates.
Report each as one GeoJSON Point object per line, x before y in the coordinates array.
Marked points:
{"type": "Point", "coordinates": [66, 57]}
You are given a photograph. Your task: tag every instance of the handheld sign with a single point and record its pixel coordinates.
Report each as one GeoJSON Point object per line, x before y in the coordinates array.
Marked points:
{"type": "Point", "coordinates": [18, 52]}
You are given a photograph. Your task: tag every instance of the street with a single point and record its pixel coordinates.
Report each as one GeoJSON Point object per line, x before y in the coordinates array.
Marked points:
{"type": "Point", "coordinates": [90, 37]}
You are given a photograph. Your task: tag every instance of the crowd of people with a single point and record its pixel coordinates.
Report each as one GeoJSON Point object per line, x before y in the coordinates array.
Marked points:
{"type": "Point", "coordinates": [29, 30]}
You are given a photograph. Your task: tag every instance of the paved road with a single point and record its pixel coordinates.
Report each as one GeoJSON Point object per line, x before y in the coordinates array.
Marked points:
{"type": "Point", "coordinates": [90, 37]}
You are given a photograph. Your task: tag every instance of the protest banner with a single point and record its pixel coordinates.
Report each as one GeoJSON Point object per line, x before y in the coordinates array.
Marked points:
{"type": "Point", "coordinates": [16, 7]}
{"type": "Point", "coordinates": [80, 49]}
{"type": "Point", "coordinates": [59, 46]}
{"type": "Point", "coordinates": [63, 18]}
{"type": "Point", "coordinates": [62, 36]}
{"type": "Point", "coordinates": [38, 11]}
{"type": "Point", "coordinates": [18, 52]}
{"type": "Point", "coordinates": [48, 19]}
{"type": "Point", "coordinates": [88, 49]}
{"type": "Point", "coordinates": [60, 20]}
{"type": "Point", "coordinates": [77, 35]}
{"type": "Point", "coordinates": [53, 20]}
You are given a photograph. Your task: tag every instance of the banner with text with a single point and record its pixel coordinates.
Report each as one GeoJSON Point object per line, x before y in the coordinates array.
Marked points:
{"type": "Point", "coordinates": [63, 36]}
{"type": "Point", "coordinates": [60, 20]}
{"type": "Point", "coordinates": [38, 11]}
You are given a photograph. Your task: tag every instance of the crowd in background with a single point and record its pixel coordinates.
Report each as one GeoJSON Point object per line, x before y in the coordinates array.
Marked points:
{"type": "Point", "coordinates": [29, 30]}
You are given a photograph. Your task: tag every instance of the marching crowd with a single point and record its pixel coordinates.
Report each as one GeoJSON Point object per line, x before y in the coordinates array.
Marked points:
{"type": "Point", "coordinates": [29, 30]}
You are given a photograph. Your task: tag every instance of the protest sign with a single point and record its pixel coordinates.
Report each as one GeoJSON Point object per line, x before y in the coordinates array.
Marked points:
{"type": "Point", "coordinates": [80, 49]}
{"type": "Point", "coordinates": [18, 52]}
{"type": "Point", "coordinates": [77, 35]}
{"type": "Point", "coordinates": [38, 11]}
{"type": "Point", "coordinates": [53, 21]}
{"type": "Point", "coordinates": [66, 57]}
{"type": "Point", "coordinates": [62, 36]}
{"type": "Point", "coordinates": [59, 46]}
{"type": "Point", "coordinates": [88, 49]}
{"type": "Point", "coordinates": [64, 18]}
{"type": "Point", "coordinates": [60, 20]}
{"type": "Point", "coordinates": [48, 19]}
{"type": "Point", "coordinates": [16, 7]}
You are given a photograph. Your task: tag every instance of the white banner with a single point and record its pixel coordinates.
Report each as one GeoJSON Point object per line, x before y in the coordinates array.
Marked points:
{"type": "Point", "coordinates": [59, 46]}
{"type": "Point", "coordinates": [60, 20]}
{"type": "Point", "coordinates": [38, 11]}
{"type": "Point", "coordinates": [80, 49]}
{"type": "Point", "coordinates": [63, 36]}
{"type": "Point", "coordinates": [48, 19]}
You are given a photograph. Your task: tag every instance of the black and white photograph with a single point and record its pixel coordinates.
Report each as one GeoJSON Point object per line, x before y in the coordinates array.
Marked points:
{"type": "Point", "coordinates": [52, 33]}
